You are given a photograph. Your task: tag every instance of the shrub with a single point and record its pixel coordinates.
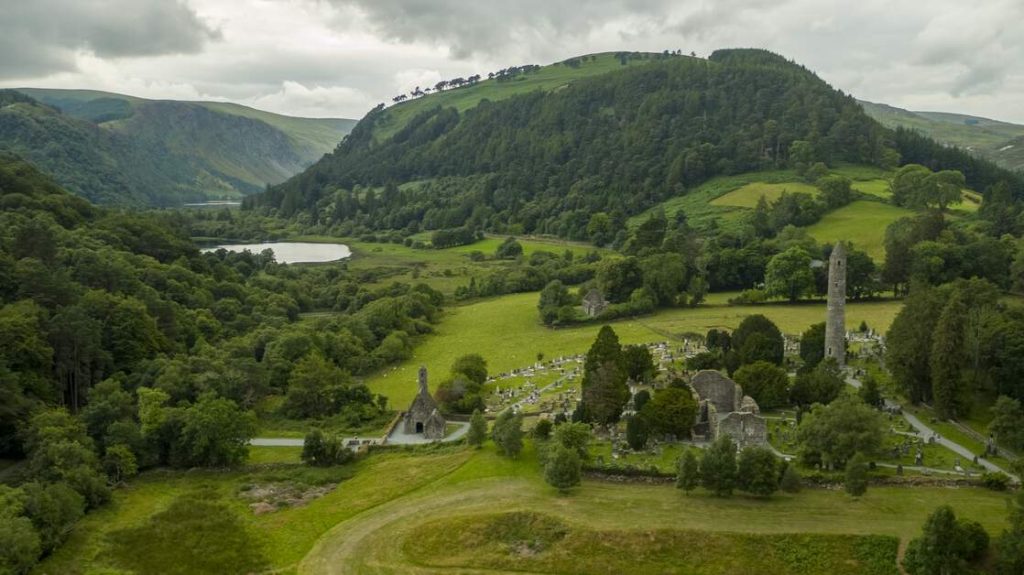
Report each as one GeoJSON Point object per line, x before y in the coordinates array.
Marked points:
{"type": "Point", "coordinates": [791, 481]}
{"type": "Point", "coordinates": [856, 483]}
{"type": "Point", "coordinates": [757, 471]}
{"type": "Point", "coordinates": [996, 481]}
{"type": "Point", "coordinates": [562, 469]}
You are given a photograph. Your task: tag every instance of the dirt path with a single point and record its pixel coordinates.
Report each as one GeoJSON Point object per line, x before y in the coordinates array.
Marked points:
{"type": "Point", "coordinates": [346, 547]}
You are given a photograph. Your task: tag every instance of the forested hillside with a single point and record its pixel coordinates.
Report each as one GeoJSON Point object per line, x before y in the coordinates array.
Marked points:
{"type": "Point", "coordinates": [614, 143]}
{"type": "Point", "coordinates": [115, 149]}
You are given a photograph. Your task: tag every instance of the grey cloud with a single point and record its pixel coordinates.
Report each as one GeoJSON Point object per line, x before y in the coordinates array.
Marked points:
{"type": "Point", "coordinates": [490, 28]}
{"type": "Point", "coordinates": [39, 37]}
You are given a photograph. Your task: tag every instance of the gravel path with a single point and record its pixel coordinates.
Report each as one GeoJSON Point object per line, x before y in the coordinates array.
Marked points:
{"type": "Point", "coordinates": [926, 433]}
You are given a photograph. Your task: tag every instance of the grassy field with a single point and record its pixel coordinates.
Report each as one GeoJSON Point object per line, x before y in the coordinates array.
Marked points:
{"type": "Point", "coordinates": [749, 195]}
{"type": "Point", "coordinates": [164, 522]}
{"type": "Point", "coordinates": [878, 188]}
{"type": "Point", "coordinates": [548, 78]}
{"type": "Point", "coordinates": [541, 543]}
{"type": "Point", "coordinates": [445, 269]}
{"type": "Point", "coordinates": [862, 221]}
{"type": "Point", "coordinates": [507, 333]}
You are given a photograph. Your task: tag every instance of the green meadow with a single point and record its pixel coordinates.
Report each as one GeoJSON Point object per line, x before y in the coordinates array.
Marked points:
{"type": "Point", "coordinates": [506, 331]}
{"type": "Point", "coordinates": [864, 222]}
{"type": "Point", "coordinates": [749, 195]}
{"type": "Point", "coordinates": [387, 514]}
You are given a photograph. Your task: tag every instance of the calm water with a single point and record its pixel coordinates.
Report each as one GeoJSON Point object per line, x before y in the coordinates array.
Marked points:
{"type": "Point", "coordinates": [293, 252]}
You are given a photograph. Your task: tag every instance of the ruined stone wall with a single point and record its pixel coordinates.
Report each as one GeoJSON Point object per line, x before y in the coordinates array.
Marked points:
{"type": "Point", "coordinates": [745, 429]}
{"type": "Point", "coordinates": [721, 391]}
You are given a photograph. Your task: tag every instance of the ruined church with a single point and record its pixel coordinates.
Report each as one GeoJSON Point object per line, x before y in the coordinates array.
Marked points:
{"type": "Point", "coordinates": [723, 409]}
{"type": "Point", "coordinates": [423, 417]}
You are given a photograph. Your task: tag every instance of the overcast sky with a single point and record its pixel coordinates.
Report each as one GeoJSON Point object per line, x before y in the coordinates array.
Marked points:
{"type": "Point", "coordinates": [338, 58]}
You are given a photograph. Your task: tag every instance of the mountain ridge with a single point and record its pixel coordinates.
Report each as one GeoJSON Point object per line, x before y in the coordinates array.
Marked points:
{"type": "Point", "coordinates": [124, 150]}
{"type": "Point", "coordinates": [995, 140]}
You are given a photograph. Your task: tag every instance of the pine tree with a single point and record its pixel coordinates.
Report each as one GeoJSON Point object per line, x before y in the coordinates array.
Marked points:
{"type": "Point", "coordinates": [636, 432]}
{"type": "Point", "coordinates": [605, 392]}
{"type": "Point", "coordinates": [477, 429]}
{"type": "Point", "coordinates": [947, 359]}
{"type": "Point", "coordinates": [688, 471]}
{"type": "Point", "coordinates": [856, 483]}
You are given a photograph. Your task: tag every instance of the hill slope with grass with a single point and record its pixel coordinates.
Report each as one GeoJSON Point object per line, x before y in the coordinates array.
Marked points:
{"type": "Point", "coordinates": [1000, 142]}
{"type": "Point", "coordinates": [117, 149]}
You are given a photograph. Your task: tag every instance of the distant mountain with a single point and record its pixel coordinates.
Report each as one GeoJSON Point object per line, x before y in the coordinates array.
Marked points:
{"type": "Point", "coordinates": [1000, 142]}
{"type": "Point", "coordinates": [122, 150]}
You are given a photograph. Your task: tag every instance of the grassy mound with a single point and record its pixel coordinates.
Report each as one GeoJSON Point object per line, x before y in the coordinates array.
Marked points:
{"type": "Point", "coordinates": [539, 543]}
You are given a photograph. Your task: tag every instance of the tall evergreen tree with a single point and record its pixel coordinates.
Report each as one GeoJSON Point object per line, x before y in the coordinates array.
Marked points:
{"type": "Point", "coordinates": [688, 471]}
{"type": "Point", "coordinates": [909, 343]}
{"type": "Point", "coordinates": [947, 359]}
{"type": "Point", "coordinates": [605, 392]}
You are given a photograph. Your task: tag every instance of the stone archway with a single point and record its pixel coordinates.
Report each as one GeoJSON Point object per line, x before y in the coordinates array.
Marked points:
{"type": "Point", "coordinates": [419, 427]}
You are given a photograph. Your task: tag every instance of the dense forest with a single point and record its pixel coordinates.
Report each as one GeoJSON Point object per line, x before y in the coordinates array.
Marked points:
{"type": "Point", "coordinates": [123, 347]}
{"type": "Point", "coordinates": [617, 143]}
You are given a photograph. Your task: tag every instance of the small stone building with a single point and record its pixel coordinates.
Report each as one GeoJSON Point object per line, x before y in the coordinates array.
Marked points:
{"type": "Point", "coordinates": [724, 409]}
{"type": "Point", "coordinates": [594, 303]}
{"type": "Point", "coordinates": [423, 417]}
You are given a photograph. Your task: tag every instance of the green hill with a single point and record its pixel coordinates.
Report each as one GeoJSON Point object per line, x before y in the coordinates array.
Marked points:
{"type": "Point", "coordinates": [1000, 142]}
{"type": "Point", "coordinates": [543, 160]}
{"type": "Point", "coordinates": [118, 149]}
{"type": "Point", "coordinates": [544, 149]}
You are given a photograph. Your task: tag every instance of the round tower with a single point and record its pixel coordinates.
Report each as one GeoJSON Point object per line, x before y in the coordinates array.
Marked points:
{"type": "Point", "coordinates": [835, 320]}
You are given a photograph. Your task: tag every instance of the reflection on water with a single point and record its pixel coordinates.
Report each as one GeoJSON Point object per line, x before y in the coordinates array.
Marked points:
{"type": "Point", "coordinates": [293, 252]}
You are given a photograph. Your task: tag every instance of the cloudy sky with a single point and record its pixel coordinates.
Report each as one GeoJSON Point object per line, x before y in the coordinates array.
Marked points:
{"type": "Point", "coordinates": [338, 58]}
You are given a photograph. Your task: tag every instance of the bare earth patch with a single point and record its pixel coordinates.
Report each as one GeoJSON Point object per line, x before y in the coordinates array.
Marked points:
{"type": "Point", "coordinates": [270, 497]}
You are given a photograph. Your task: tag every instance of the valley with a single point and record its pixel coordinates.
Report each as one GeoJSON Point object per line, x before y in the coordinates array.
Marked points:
{"type": "Point", "coordinates": [626, 312]}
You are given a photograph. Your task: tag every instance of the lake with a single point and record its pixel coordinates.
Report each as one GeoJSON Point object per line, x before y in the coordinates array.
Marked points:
{"type": "Point", "coordinates": [292, 252]}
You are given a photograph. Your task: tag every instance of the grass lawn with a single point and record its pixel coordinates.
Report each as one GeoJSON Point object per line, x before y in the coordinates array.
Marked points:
{"type": "Point", "coordinates": [749, 195]}
{"type": "Point", "coordinates": [864, 222]}
{"type": "Point", "coordinates": [878, 188]}
{"type": "Point", "coordinates": [164, 522]}
{"type": "Point", "coordinates": [507, 333]}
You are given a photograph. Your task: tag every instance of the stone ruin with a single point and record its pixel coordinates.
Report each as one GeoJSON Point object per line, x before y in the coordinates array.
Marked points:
{"type": "Point", "coordinates": [723, 409]}
{"type": "Point", "coordinates": [423, 417]}
{"type": "Point", "coordinates": [594, 303]}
